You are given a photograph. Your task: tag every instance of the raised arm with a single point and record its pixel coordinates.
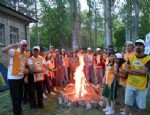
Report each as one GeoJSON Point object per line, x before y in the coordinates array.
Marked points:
{"type": "Point", "coordinates": [7, 48]}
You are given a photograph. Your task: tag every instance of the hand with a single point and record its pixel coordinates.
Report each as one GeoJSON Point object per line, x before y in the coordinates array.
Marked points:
{"type": "Point", "coordinates": [26, 80]}
{"type": "Point", "coordinates": [126, 70]}
{"type": "Point", "coordinates": [115, 73]}
{"type": "Point", "coordinates": [25, 71]}
{"type": "Point", "coordinates": [44, 70]}
{"type": "Point", "coordinates": [109, 86]}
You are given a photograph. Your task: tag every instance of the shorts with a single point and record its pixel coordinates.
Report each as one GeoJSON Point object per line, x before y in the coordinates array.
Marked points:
{"type": "Point", "coordinates": [110, 93]}
{"type": "Point", "coordinates": [132, 94]}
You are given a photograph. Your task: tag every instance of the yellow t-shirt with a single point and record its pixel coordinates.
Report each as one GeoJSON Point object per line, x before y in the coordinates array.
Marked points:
{"type": "Point", "coordinates": [137, 81]}
{"type": "Point", "coordinates": [109, 74]}
{"type": "Point", "coordinates": [123, 82]}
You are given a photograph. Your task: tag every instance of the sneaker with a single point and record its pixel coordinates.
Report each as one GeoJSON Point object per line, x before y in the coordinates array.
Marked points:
{"type": "Point", "coordinates": [44, 96]}
{"type": "Point", "coordinates": [110, 112]}
{"type": "Point", "coordinates": [122, 113]}
{"type": "Point", "coordinates": [52, 93]}
{"type": "Point", "coordinates": [106, 109]}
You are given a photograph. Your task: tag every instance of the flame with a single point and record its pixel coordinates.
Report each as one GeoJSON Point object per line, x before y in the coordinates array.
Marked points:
{"type": "Point", "coordinates": [80, 79]}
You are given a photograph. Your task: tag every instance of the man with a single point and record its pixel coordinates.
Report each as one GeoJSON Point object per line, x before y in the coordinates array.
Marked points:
{"type": "Point", "coordinates": [50, 52]}
{"type": "Point", "coordinates": [36, 65]}
{"type": "Point", "coordinates": [16, 71]}
{"type": "Point", "coordinates": [89, 60]}
{"type": "Point", "coordinates": [129, 49]}
{"type": "Point", "coordinates": [137, 82]}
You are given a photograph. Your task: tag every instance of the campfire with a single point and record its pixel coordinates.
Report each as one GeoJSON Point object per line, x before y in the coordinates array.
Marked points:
{"type": "Point", "coordinates": [82, 93]}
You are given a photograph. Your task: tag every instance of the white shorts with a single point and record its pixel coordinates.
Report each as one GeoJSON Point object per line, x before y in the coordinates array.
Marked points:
{"type": "Point", "coordinates": [132, 94]}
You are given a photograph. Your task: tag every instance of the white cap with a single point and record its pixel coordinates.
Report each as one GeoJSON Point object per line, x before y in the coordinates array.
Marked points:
{"type": "Point", "coordinates": [118, 55]}
{"type": "Point", "coordinates": [36, 47]}
{"type": "Point", "coordinates": [129, 43]}
{"type": "Point", "coordinates": [23, 42]}
{"type": "Point", "coordinates": [56, 50]}
{"type": "Point", "coordinates": [98, 49]}
{"type": "Point", "coordinates": [63, 50]}
{"type": "Point", "coordinates": [89, 48]}
{"type": "Point", "coordinates": [51, 46]}
{"type": "Point", "coordinates": [140, 41]}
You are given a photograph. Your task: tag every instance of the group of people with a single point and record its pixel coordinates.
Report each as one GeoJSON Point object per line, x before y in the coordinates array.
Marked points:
{"type": "Point", "coordinates": [35, 70]}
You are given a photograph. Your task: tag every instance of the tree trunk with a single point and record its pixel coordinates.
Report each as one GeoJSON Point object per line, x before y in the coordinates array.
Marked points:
{"type": "Point", "coordinates": [75, 24]}
{"type": "Point", "coordinates": [108, 23]}
{"type": "Point", "coordinates": [136, 20]}
{"type": "Point", "coordinates": [129, 21]}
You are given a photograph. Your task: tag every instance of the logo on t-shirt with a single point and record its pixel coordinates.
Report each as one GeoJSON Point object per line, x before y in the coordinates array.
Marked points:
{"type": "Point", "coordinates": [137, 63]}
{"type": "Point", "coordinates": [22, 57]}
{"type": "Point", "coordinates": [37, 63]}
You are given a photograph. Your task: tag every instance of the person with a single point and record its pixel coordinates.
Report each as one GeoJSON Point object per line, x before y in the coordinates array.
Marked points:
{"type": "Point", "coordinates": [99, 66]}
{"type": "Point", "coordinates": [89, 60]}
{"type": "Point", "coordinates": [129, 50]}
{"type": "Point", "coordinates": [58, 61]}
{"type": "Point", "coordinates": [36, 65]}
{"type": "Point", "coordinates": [74, 62]}
{"type": "Point", "coordinates": [137, 83]}
{"type": "Point", "coordinates": [50, 52]}
{"type": "Point", "coordinates": [66, 65]}
{"type": "Point", "coordinates": [16, 71]}
{"type": "Point", "coordinates": [52, 77]}
{"type": "Point", "coordinates": [26, 83]}
{"type": "Point", "coordinates": [77, 50]}
{"type": "Point", "coordinates": [108, 96]}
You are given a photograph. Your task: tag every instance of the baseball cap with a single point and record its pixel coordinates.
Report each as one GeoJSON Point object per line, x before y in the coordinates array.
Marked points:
{"type": "Point", "coordinates": [98, 49]}
{"type": "Point", "coordinates": [63, 50]}
{"type": "Point", "coordinates": [140, 41]}
{"type": "Point", "coordinates": [118, 55]}
{"type": "Point", "coordinates": [129, 43]}
{"type": "Point", "coordinates": [36, 47]}
{"type": "Point", "coordinates": [89, 48]}
{"type": "Point", "coordinates": [23, 42]}
{"type": "Point", "coordinates": [56, 50]}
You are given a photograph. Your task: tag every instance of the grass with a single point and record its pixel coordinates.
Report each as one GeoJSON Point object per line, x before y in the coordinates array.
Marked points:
{"type": "Point", "coordinates": [52, 107]}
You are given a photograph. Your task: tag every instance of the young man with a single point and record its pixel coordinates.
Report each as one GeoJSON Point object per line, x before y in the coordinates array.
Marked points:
{"type": "Point", "coordinates": [36, 65]}
{"type": "Point", "coordinates": [129, 50]}
{"type": "Point", "coordinates": [16, 71]}
{"type": "Point", "coordinates": [137, 82]}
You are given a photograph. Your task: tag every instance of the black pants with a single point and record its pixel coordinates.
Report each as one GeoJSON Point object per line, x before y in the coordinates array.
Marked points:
{"type": "Point", "coordinates": [38, 87]}
{"type": "Point", "coordinates": [25, 92]}
{"type": "Point", "coordinates": [16, 92]}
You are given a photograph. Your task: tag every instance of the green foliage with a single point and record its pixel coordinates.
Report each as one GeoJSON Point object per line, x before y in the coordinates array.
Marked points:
{"type": "Point", "coordinates": [119, 34]}
{"type": "Point", "coordinates": [24, 6]}
{"type": "Point", "coordinates": [144, 18]}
